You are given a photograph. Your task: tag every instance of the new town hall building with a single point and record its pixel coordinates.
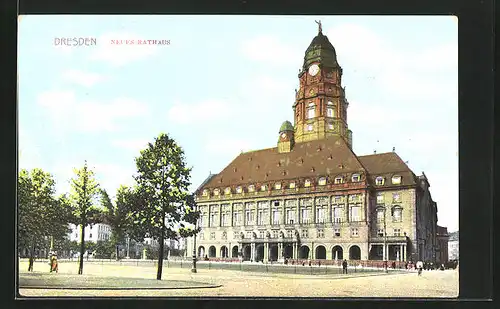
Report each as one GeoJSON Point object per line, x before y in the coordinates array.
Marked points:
{"type": "Point", "coordinates": [311, 197]}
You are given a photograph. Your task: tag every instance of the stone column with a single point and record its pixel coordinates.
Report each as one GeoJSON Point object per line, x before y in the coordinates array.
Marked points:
{"type": "Point", "coordinates": [266, 252]}
{"type": "Point", "coordinates": [283, 217]}
{"type": "Point", "coordinates": [232, 214]}
{"type": "Point", "coordinates": [313, 209]}
{"type": "Point", "coordinates": [252, 252]}
{"type": "Point", "coordinates": [295, 250]}
{"type": "Point", "coordinates": [280, 251]}
{"type": "Point", "coordinates": [220, 214]}
{"type": "Point", "coordinates": [384, 251]}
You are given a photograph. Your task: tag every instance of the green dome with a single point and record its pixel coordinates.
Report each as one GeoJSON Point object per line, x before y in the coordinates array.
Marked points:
{"type": "Point", "coordinates": [286, 126]}
{"type": "Point", "coordinates": [320, 50]}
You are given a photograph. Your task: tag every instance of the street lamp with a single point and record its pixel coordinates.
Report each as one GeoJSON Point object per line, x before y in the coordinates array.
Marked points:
{"type": "Point", "coordinates": [386, 250]}
{"type": "Point", "coordinates": [193, 269]}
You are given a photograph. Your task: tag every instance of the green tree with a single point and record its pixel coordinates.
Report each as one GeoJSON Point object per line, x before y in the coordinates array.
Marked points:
{"type": "Point", "coordinates": [41, 216]}
{"type": "Point", "coordinates": [162, 204]}
{"type": "Point", "coordinates": [117, 215]}
{"type": "Point", "coordinates": [104, 249]}
{"type": "Point", "coordinates": [85, 191]}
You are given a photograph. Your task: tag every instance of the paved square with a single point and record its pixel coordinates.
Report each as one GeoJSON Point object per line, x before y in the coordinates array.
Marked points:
{"type": "Point", "coordinates": [237, 283]}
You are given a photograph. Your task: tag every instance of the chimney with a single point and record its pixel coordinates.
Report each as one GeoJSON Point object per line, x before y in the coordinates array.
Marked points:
{"type": "Point", "coordinates": [393, 149]}
{"type": "Point", "coordinates": [374, 152]}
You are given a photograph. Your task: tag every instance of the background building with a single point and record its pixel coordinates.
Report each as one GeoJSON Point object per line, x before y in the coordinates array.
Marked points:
{"type": "Point", "coordinates": [442, 239]}
{"type": "Point", "coordinates": [311, 197]}
{"type": "Point", "coordinates": [93, 233]}
{"type": "Point", "coordinates": [453, 248]}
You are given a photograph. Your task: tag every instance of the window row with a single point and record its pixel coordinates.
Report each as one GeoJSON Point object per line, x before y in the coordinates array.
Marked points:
{"type": "Point", "coordinates": [395, 232]}
{"type": "Point", "coordinates": [322, 181]}
{"type": "Point", "coordinates": [276, 216]}
{"type": "Point", "coordinates": [380, 180]}
{"type": "Point", "coordinates": [276, 234]}
{"type": "Point", "coordinates": [331, 110]}
{"type": "Point", "coordinates": [396, 214]}
{"type": "Point", "coordinates": [396, 198]}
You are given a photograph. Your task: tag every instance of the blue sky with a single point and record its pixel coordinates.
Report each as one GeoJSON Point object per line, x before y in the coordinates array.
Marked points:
{"type": "Point", "coordinates": [225, 84]}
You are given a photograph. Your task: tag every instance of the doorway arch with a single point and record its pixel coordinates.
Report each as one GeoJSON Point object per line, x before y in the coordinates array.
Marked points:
{"type": "Point", "coordinates": [354, 253]}
{"type": "Point", "coordinates": [212, 251]}
{"type": "Point", "coordinates": [337, 253]}
{"type": "Point", "coordinates": [234, 252]}
{"type": "Point", "coordinates": [201, 251]}
{"type": "Point", "coordinates": [320, 253]}
{"type": "Point", "coordinates": [224, 252]}
{"type": "Point", "coordinates": [304, 252]}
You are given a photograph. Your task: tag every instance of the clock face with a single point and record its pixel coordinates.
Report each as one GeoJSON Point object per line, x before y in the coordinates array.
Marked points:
{"type": "Point", "coordinates": [313, 70]}
{"type": "Point", "coordinates": [283, 135]}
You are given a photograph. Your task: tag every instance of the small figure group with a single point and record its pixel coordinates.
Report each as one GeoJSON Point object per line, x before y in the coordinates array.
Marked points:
{"type": "Point", "coordinates": [53, 262]}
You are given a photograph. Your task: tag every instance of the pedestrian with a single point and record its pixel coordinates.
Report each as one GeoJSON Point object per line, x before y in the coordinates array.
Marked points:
{"type": "Point", "coordinates": [420, 265]}
{"type": "Point", "coordinates": [344, 267]}
{"type": "Point", "coordinates": [393, 265]}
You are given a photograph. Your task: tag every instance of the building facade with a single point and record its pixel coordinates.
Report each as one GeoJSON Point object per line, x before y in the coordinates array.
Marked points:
{"type": "Point", "coordinates": [94, 233]}
{"type": "Point", "coordinates": [311, 197]}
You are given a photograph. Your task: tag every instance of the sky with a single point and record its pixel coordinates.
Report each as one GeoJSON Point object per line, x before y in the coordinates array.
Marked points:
{"type": "Point", "coordinates": [224, 84]}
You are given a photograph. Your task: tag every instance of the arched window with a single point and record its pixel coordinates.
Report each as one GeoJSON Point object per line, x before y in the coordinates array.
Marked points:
{"type": "Point", "coordinates": [205, 192]}
{"type": "Point", "coordinates": [292, 185]}
{"type": "Point", "coordinates": [239, 189]}
{"type": "Point", "coordinates": [379, 181]}
{"type": "Point", "coordinates": [339, 180]}
{"type": "Point", "coordinates": [251, 188]}
{"type": "Point", "coordinates": [322, 181]}
{"type": "Point", "coordinates": [277, 185]}
{"type": "Point", "coordinates": [227, 191]}
{"type": "Point", "coordinates": [307, 183]}
{"type": "Point", "coordinates": [311, 113]}
{"type": "Point", "coordinates": [397, 214]}
{"type": "Point", "coordinates": [263, 188]}
{"type": "Point", "coordinates": [216, 192]}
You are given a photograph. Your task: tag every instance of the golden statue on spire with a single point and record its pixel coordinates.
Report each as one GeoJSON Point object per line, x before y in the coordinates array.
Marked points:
{"type": "Point", "coordinates": [319, 25]}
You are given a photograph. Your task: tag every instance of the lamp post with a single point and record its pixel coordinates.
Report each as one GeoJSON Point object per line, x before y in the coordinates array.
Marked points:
{"type": "Point", "coordinates": [193, 269]}
{"type": "Point", "coordinates": [386, 250]}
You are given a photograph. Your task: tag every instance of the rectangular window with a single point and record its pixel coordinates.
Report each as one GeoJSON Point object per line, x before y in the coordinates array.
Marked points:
{"type": "Point", "coordinates": [290, 216]}
{"type": "Point", "coordinates": [310, 113]}
{"type": "Point", "coordinates": [290, 233]}
{"type": "Point", "coordinates": [321, 233]}
{"type": "Point", "coordinates": [355, 215]}
{"type": "Point", "coordinates": [223, 219]}
{"type": "Point", "coordinates": [337, 214]}
{"type": "Point", "coordinates": [354, 232]}
{"type": "Point", "coordinates": [338, 180]}
{"type": "Point", "coordinates": [276, 217]}
{"type": "Point", "coordinates": [336, 232]}
{"type": "Point", "coordinates": [397, 232]}
{"type": "Point", "coordinates": [236, 235]}
{"type": "Point", "coordinates": [397, 215]}
{"type": "Point", "coordinates": [380, 198]}
{"type": "Point", "coordinates": [380, 233]}
{"type": "Point", "coordinates": [320, 216]}
{"type": "Point", "coordinates": [261, 234]}
{"type": "Point", "coordinates": [260, 218]}
{"type": "Point", "coordinates": [337, 199]}
{"type": "Point", "coordinates": [305, 216]}
{"type": "Point", "coordinates": [329, 112]}
{"type": "Point", "coordinates": [309, 127]}
{"type": "Point", "coordinates": [396, 198]}
{"type": "Point", "coordinates": [304, 234]}
{"type": "Point", "coordinates": [275, 233]}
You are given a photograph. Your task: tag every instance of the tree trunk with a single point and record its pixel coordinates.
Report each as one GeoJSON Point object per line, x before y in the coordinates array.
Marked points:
{"type": "Point", "coordinates": [117, 252]}
{"type": "Point", "coordinates": [31, 259]}
{"type": "Point", "coordinates": [82, 249]}
{"type": "Point", "coordinates": [160, 255]}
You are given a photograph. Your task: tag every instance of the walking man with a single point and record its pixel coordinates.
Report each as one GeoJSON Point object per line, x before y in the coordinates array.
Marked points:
{"type": "Point", "coordinates": [344, 267]}
{"type": "Point", "coordinates": [420, 265]}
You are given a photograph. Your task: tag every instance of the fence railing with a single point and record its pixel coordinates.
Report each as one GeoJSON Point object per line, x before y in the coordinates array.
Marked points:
{"type": "Point", "coordinates": [316, 267]}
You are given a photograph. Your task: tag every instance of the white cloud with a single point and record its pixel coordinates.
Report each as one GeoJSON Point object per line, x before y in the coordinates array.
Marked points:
{"type": "Point", "coordinates": [29, 152]}
{"type": "Point", "coordinates": [122, 54]}
{"type": "Point", "coordinates": [86, 79]}
{"type": "Point", "coordinates": [265, 48]}
{"type": "Point", "coordinates": [69, 113]}
{"type": "Point", "coordinates": [111, 176]}
{"type": "Point", "coordinates": [205, 111]}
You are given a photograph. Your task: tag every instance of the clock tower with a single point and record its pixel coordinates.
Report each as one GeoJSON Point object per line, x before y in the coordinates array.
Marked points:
{"type": "Point", "coordinates": [286, 139]}
{"type": "Point", "coordinates": [320, 107]}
